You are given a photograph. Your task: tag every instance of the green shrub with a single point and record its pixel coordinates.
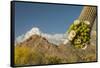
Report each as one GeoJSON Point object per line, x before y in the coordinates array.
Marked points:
{"type": "Point", "coordinates": [52, 60]}
{"type": "Point", "coordinates": [26, 56]}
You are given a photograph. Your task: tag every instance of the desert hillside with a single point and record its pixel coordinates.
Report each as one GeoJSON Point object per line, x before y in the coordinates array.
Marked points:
{"type": "Point", "coordinates": [37, 50]}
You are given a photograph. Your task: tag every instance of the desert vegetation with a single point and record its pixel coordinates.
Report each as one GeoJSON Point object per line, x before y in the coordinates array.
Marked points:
{"type": "Point", "coordinates": [25, 55]}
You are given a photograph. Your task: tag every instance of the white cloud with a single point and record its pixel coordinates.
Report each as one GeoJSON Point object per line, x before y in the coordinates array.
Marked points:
{"type": "Point", "coordinates": [19, 39]}
{"type": "Point", "coordinates": [57, 38]}
{"type": "Point", "coordinates": [31, 32]}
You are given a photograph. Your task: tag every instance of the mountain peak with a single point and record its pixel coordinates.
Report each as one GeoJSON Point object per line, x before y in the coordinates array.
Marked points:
{"type": "Point", "coordinates": [33, 31]}
{"type": "Point", "coordinates": [56, 38]}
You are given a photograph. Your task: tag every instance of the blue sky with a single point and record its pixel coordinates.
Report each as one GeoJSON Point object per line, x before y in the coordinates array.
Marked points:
{"type": "Point", "coordinates": [49, 18]}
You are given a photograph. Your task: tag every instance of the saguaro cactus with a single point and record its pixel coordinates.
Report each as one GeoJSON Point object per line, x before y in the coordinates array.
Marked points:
{"type": "Point", "coordinates": [88, 13]}
{"type": "Point", "coordinates": [79, 31]}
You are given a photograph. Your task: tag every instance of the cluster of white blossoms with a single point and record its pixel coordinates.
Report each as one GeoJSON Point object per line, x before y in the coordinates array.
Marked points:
{"type": "Point", "coordinates": [78, 33]}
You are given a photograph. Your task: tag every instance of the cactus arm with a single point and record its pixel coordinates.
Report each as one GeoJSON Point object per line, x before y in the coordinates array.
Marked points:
{"type": "Point", "coordinates": [88, 13]}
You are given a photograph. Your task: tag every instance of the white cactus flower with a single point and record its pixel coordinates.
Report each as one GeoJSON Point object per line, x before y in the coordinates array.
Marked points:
{"type": "Point", "coordinates": [72, 34]}
{"type": "Point", "coordinates": [66, 41]}
{"type": "Point", "coordinates": [85, 46]}
{"type": "Point", "coordinates": [76, 22]}
{"type": "Point", "coordinates": [70, 38]}
{"type": "Point", "coordinates": [87, 22]}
